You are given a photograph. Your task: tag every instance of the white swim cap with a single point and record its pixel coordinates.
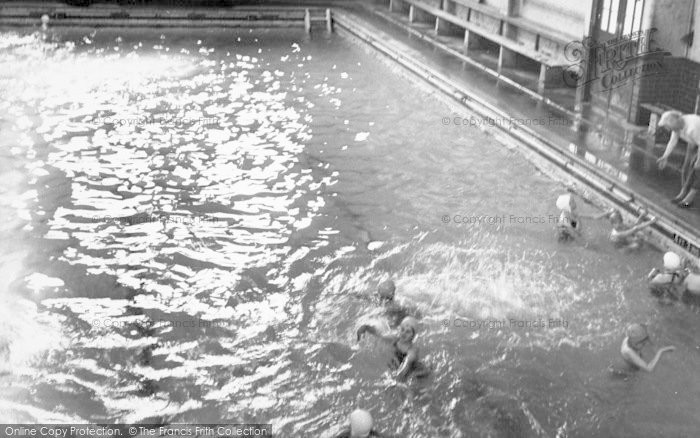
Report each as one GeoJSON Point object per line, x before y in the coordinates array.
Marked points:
{"type": "Point", "coordinates": [360, 423]}
{"type": "Point", "coordinates": [44, 19]}
{"type": "Point", "coordinates": [637, 333]}
{"type": "Point", "coordinates": [672, 261]}
{"type": "Point", "coordinates": [564, 202]}
{"type": "Point", "coordinates": [410, 322]}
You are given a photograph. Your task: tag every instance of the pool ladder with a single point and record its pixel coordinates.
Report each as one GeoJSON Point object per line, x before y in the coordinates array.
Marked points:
{"type": "Point", "coordinates": [327, 18]}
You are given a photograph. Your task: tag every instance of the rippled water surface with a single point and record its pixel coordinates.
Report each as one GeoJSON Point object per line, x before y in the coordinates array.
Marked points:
{"type": "Point", "coordinates": [193, 226]}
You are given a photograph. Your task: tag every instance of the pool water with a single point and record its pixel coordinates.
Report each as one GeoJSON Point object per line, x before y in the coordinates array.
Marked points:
{"type": "Point", "coordinates": [196, 224]}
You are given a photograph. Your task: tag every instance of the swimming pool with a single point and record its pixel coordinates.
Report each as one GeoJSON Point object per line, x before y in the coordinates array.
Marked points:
{"type": "Point", "coordinates": [193, 219]}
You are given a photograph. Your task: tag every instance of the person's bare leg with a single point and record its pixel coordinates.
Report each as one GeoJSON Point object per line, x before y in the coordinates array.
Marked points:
{"type": "Point", "coordinates": [686, 172]}
{"type": "Point", "coordinates": [689, 198]}
{"type": "Point", "coordinates": [693, 186]}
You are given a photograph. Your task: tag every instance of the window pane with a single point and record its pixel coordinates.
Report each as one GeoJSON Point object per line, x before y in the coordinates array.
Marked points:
{"type": "Point", "coordinates": [612, 25]}
{"type": "Point", "coordinates": [629, 17]}
{"type": "Point", "coordinates": [605, 15]}
{"type": "Point", "coordinates": [637, 26]}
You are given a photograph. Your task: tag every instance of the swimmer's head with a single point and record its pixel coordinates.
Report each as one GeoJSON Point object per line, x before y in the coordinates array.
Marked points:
{"type": "Point", "coordinates": [672, 261]}
{"type": "Point", "coordinates": [387, 290]}
{"type": "Point", "coordinates": [360, 423]}
{"type": "Point", "coordinates": [671, 120]}
{"type": "Point", "coordinates": [566, 203]}
{"type": "Point", "coordinates": [408, 328]}
{"type": "Point", "coordinates": [45, 20]}
{"type": "Point", "coordinates": [637, 333]}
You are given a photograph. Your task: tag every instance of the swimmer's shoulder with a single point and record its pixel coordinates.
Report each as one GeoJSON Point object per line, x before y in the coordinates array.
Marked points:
{"type": "Point", "coordinates": [692, 283]}
{"type": "Point", "coordinates": [626, 352]}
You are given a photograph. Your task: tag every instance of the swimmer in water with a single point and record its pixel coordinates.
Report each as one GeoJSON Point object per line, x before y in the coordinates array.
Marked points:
{"type": "Point", "coordinates": [361, 426]}
{"type": "Point", "coordinates": [633, 344]}
{"type": "Point", "coordinates": [392, 313]}
{"type": "Point", "coordinates": [627, 237]}
{"type": "Point", "coordinates": [668, 282]}
{"type": "Point", "coordinates": [405, 359]}
{"type": "Point", "coordinates": [569, 224]}
{"type": "Point", "coordinates": [691, 285]}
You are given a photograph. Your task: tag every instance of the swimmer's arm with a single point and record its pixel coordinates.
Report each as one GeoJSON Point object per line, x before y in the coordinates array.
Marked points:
{"type": "Point", "coordinates": [598, 216]}
{"type": "Point", "coordinates": [366, 328]}
{"type": "Point", "coordinates": [405, 367]}
{"type": "Point", "coordinates": [669, 149]}
{"type": "Point", "coordinates": [634, 358]}
{"type": "Point", "coordinates": [662, 278]}
{"type": "Point", "coordinates": [642, 213]}
{"type": "Point", "coordinates": [637, 228]}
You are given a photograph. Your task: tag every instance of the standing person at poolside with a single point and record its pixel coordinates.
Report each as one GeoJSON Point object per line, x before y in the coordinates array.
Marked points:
{"type": "Point", "coordinates": [631, 350]}
{"type": "Point", "coordinates": [687, 128]}
{"type": "Point", "coordinates": [405, 358]}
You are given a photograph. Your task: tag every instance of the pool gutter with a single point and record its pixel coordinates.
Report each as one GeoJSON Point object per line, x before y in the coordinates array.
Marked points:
{"type": "Point", "coordinates": [114, 16]}
{"type": "Point", "coordinates": [666, 233]}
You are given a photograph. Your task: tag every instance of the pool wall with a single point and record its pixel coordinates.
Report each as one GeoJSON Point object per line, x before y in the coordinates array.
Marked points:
{"type": "Point", "coordinates": [115, 16]}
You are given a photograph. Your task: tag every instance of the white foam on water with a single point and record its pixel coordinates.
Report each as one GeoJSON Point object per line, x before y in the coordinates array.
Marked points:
{"type": "Point", "coordinates": [38, 282]}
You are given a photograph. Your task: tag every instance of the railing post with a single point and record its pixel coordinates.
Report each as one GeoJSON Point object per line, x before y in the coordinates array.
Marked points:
{"type": "Point", "coordinates": [307, 21]}
{"type": "Point", "coordinates": [329, 21]}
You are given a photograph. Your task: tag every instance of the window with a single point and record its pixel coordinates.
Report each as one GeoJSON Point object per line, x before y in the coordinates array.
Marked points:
{"type": "Point", "coordinates": [609, 15]}
{"type": "Point", "coordinates": [605, 15]}
{"type": "Point", "coordinates": [633, 16]}
{"type": "Point", "coordinates": [639, 8]}
{"type": "Point", "coordinates": [614, 12]}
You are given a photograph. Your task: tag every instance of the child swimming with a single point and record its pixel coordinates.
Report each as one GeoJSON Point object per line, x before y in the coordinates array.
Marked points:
{"type": "Point", "coordinates": [568, 226]}
{"type": "Point", "coordinates": [391, 313]}
{"type": "Point", "coordinates": [361, 426]}
{"type": "Point", "coordinates": [405, 358]}
{"type": "Point", "coordinates": [627, 237]}
{"type": "Point", "coordinates": [631, 349]}
{"type": "Point", "coordinates": [668, 282]}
